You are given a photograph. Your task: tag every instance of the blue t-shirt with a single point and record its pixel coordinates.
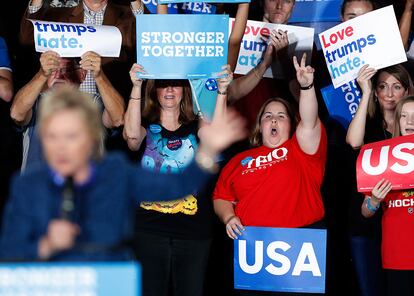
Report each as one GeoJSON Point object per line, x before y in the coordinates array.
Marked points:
{"type": "Point", "coordinates": [4, 55]}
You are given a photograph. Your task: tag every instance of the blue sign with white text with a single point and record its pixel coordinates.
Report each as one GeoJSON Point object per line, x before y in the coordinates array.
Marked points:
{"type": "Point", "coordinates": [342, 102]}
{"type": "Point", "coordinates": [47, 279]}
{"type": "Point", "coordinates": [176, 47]}
{"type": "Point", "coordinates": [316, 11]}
{"type": "Point", "coordinates": [182, 8]}
{"type": "Point", "coordinates": [280, 260]}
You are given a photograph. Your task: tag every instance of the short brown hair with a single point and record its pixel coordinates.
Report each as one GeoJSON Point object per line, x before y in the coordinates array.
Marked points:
{"type": "Point", "coordinates": [256, 136]}
{"type": "Point", "coordinates": [152, 107]}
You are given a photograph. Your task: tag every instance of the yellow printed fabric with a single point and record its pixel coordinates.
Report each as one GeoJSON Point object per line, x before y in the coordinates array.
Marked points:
{"type": "Point", "coordinates": [186, 205]}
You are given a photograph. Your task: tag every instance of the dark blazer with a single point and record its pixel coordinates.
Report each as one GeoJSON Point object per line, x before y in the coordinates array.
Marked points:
{"type": "Point", "coordinates": [116, 69]}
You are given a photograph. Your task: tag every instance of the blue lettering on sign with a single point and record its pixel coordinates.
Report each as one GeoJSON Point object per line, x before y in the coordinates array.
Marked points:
{"type": "Point", "coordinates": [280, 259]}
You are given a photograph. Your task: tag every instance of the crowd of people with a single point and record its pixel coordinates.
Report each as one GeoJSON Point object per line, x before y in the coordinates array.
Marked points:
{"type": "Point", "coordinates": [155, 179]}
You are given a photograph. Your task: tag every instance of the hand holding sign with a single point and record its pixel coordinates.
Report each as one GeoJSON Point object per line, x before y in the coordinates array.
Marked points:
{"type": "Point", "coordinates": [49, 62]}
{"type": "Point", "coordinates": [380, 191]}
{"type": "Point", "coordinates": [304, 74]}
{"type": "Point", "coordinates": [364, 79]}
{"type": "Point", "coordinates": [234, 227]}
{"type": "Point", "coordinates": [133, 73]}
{"type": "Point", "coordinates": [91, 61]}
{"type": "Point", "coordinates": [225, 80]}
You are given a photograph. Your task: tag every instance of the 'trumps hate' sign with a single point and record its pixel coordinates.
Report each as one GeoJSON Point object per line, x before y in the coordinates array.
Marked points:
{"type": "Point", "coordinates": [342, 102]}
{"type": "Point", "coordinates": [63, 279]}
{"type": "Point", "coordinates": [391, 159]}
{"type": "Point", "coordinates": [177, 47]}
{"type": "Point", "coordinates": [73, 40]}
{"type": "Point", "coordinates": [373, 38]}
{"type": "Point", "coordinates": [182, 8]}
{"type": "Point", "coordinates": [307, 11]}
{"type": "Point", "coordinates": [253, 47]}
{"type": "Point", "coordinates": [280, 259]}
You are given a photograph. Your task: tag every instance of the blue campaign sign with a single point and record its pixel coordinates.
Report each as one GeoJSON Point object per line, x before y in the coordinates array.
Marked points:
{"type": "Point", "coordinates": [101, 279]}
{"type": "Point", "coordinates": [210, 1]}
{"type": "Point", "coordinates": [176, 47]}
{"type": "Point", "coordinates": [182, 8]}
{"type": "Point", "coordinates": [342, 102]}
{"type": "Point", "coordinates": [280, 260]}
{"type": "Point", "coordinates": [316, 11]}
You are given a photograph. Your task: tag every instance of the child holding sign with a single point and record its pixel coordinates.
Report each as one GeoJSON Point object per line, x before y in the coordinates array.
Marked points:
{"type": "Point", "coordinates": [398, 217]}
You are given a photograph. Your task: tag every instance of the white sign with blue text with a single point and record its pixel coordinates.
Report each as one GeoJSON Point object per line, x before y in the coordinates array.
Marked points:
{"type": "Point", "coordinates": [280, 259]}
{"type": "Point", "coordinates": [177, 47]}
{"type": "Point", "coordinates": [350, 45]}
{"type": "Point", "coordinates": [73, 40]}
{"type": "Point", "coordinates": [254, 45]}
{"type": "Point", "coordinates": [62, 279]}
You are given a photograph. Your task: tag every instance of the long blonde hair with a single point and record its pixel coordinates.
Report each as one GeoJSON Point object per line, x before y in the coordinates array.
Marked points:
{"type": "Point", "coordinates": [69, 97]}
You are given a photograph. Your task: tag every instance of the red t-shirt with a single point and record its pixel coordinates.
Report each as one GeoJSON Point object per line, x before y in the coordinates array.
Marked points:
{"type": "Point", "coordinates": [277, 187]}
{"type": "Point", "coordinates": [398, 230]}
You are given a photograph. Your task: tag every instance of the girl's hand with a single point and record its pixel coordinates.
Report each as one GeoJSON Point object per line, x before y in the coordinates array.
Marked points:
{"type": "Point", "coordinates": [224, 82]}
{"type": "Point", "coordinates": [380, 191]}
{"type": "Point", "coordinates": [364, 79]}
{"type": "Point", "coordinates": [234, 227]}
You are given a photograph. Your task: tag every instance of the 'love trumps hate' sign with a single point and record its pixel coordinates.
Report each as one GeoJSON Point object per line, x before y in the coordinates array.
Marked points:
{"type": "Point", "coordinates": [350, 45]}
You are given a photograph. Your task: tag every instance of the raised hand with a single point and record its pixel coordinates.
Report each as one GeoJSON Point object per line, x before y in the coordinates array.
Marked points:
{"type": "Point", "coordinates": [226, 78]}
{"type": "Point", "coordinates": [304, 74]}
{"type": "Point", "coordinates": [223, 131]}
{"type": "Point", "coordinates": [49, 62]}
{"type": "Point", "coordinates": [277, 40]}
{"type": "Point", "coordinates": [91, 61]}
{"type": "Point", "coordinates": [135, 69]}
{"type": "Point", "coordinates": [364, 78]}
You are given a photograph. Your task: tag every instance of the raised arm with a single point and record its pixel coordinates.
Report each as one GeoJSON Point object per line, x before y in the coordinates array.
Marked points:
{"type": "Point", "coordinates": [133, 131]}
{"type": "Point", "coordinates": [162, 8]}
{"type": "Point", "coordinates": [245, 84]}
{"type": "Point", "coordinates": [21, 110]}
{"type": "Point", "coordinates": [356, 130]}
{"type": "Point", "coordinates": [114, 105]}
{"type": "Point", "coordinates": [405, 22]}
{"type": "Point", "coordinates": [222, 92]}
{"type": "Point", "coordinates": [237, 34]}
{"type": "Point", "coordinates": [308, 131]}
{"type": "Point", "coordinates": [372, 203]}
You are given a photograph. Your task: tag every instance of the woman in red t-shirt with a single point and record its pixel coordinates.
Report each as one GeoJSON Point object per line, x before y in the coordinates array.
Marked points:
{"type": "Point", "coordinates": [398, 218]}
{"type": "Point", "coordinates": [277, 183]}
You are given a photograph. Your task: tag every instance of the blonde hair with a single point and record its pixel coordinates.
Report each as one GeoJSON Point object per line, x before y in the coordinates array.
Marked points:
{"type": "Point", "coordinates": [69, 97]}
{"type": "Point", "coordinates": [256, 136]}
{"type": "Point", "coordinates": [397, 114]}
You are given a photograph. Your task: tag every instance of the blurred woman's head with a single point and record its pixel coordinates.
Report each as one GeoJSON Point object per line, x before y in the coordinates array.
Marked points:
{"type": "Point", "coordinates": [275, 123]}
{"type": "Point", "coordinates": [277, 11]}
{"type": "Point", "coordinates": [162, 95]}
{"type": "Point", "coordinates": [404, 117]}
{"type": "Point", "coordinates": [70, 129]}
{"type": "Point", "coordinates": [390, 85]}
{"type": "Point", "coordinates": [352, 8]}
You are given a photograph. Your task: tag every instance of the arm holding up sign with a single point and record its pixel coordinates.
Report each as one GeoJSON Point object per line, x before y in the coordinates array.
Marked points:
{"type": "Point", "coordinates": [372, 203]}
{"type": "Point", "coordinates": [134, 132]}
{"type": "Point", "coordinates": [356, 129]}
{"type": "Point", "coordinates": [245, 84]}
{"type": "Point", "coordinates": [405, 22]}
{"type": "Point", "coordinates": [112, 100]}
{"type": "Point", "coordinates": [237, 34]}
